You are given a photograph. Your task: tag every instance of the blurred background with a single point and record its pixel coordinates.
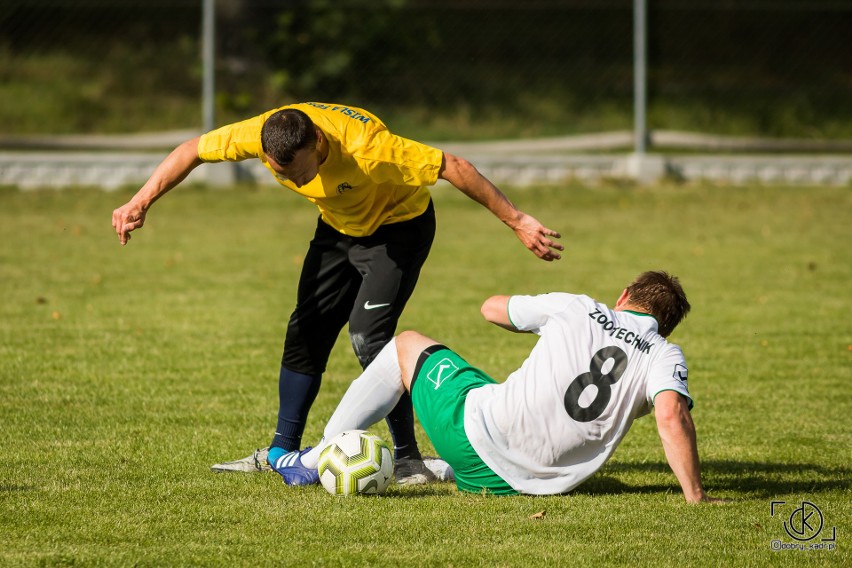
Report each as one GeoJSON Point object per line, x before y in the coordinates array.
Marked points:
{"type": "Point", "coordinates": [434, 70]}
{"type": "Point", "coordinates": [440, 69]}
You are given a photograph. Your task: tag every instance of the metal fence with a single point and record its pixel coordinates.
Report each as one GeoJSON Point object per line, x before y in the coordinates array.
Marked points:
{"type": "Point", "coordinates": [757, 67]}
{"type": "Point", "coordinates": [729, 75]}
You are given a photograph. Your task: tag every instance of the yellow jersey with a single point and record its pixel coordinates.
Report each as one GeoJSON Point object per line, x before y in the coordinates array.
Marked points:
{"type": "Point", "coordinates": [370, 178]}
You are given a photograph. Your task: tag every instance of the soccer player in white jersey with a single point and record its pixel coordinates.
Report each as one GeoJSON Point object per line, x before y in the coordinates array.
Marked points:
{"type": "Point", "coordinates": [557, 419]}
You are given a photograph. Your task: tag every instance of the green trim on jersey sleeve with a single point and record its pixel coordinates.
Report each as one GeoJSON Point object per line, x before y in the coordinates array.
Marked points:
{"type": "Point", "coordinates": [509, 315]}
{"type": "Point", "coordinates": [689, 398]}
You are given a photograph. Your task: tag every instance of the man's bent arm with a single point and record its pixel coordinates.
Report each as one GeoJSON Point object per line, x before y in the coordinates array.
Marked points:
{"type": "Point", "coordinates": [535, 236]}
{"type": "Point", "coordinates": [677, 432]}
{"type": "Point", "coordinates": [496, 310]}
{"type": "Point", "coordinates": [171, 171]}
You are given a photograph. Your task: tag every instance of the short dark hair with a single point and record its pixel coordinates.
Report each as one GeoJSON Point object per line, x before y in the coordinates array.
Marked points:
{"type": "Point", "coordinates": [662, 296]}
{"type": "Point", "coordinates": [286, 132]}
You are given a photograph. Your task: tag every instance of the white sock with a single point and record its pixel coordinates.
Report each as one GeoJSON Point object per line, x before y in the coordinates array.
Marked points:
{"type": "Point", "coordinates": [368, 399]}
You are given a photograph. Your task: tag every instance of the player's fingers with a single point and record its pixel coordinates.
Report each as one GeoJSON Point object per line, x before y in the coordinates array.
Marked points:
{"type": "Point", "coordinates": [121, 221]}
{"type": "Point", "coordinates": [553, 244]}
{"type": "Point", "coordinates": [124, 235]}
{"type": "Point", "coordinates": [116, 221]}
{"type": "Point", "coordinates": [118, 225]}
{"type": "Point", "coordinates": [546, 253]}
{"type": "Point", "coordinates": [545, 232]}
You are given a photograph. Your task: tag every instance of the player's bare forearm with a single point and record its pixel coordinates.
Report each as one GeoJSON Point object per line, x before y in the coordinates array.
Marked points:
{"type": "Point", "coordinates": [171, 171]}
{"type": "Point", "coordinates": [467, 179]}
{"type": "Point", "coordinates": [677, 433]}
{"type": "Point", "coordinates": [496, 310]}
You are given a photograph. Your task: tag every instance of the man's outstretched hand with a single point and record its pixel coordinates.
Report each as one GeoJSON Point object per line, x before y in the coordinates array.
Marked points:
{"type": "Point", "coordinates": [127, 218]}
{"type": "Point", "coordinates": [538, 238]}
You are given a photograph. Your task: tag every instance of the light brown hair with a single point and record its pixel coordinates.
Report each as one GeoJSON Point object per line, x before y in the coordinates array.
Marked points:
{"type": "Point", "coordinates": [661, 295]}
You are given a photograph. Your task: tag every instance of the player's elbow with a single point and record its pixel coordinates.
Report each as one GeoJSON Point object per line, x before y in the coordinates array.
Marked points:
{"type": "Point", "coordinates": [666, 414]}
{"type": "Point", "coordinates": [455, 169]}
{"type": "Point", "coordinates": [188, 152]}
{"type": "Point", "coordinates": [496, 310]}
{"type": "Point", "coordinates": [456, 162]}
{"type": "Point", "coordinates": [671, 410]}
{"type": "Point", "coordinates": [488, 309]}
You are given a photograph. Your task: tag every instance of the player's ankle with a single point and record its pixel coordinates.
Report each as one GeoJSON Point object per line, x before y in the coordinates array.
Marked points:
{"type": "Point", "coordinates": [275, 452]}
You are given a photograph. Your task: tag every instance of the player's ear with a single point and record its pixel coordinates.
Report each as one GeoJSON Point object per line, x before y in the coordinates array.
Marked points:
{"type": "Point", "coordinates": [622, 300]}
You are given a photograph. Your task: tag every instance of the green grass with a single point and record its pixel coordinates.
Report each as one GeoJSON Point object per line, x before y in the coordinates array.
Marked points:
{"type": "Point", "coordinates": [126, 372]}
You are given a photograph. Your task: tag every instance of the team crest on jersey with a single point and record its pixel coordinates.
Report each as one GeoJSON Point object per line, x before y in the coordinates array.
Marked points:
{"type": "Point", "coordinates": [442, 371]}
{"type": "Point", "coordinates": [680, 373]}
{"type": "Point", "coordinates": [345, 186]}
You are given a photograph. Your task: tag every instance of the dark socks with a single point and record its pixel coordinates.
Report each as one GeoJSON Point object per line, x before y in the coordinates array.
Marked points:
{"type": "Point", "coordinates": [296, 394]}
{"type": "Point", "coordinates": [401, 425]}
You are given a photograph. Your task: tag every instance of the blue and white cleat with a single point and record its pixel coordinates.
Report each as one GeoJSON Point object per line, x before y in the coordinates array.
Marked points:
{"type": "Point", "coordinates": [289, 466]}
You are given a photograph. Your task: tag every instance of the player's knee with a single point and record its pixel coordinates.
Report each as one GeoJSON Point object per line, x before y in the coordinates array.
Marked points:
{"type": "Point", "coordinates": [408, 336]}
{"type": "Point", "coordinates": [413, 342]}
{"type": "Point", "coordinates": [364, 350]}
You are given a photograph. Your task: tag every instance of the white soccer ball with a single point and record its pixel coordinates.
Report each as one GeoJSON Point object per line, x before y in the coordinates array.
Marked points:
{"type": "Point", "coordinates": [355, 462]}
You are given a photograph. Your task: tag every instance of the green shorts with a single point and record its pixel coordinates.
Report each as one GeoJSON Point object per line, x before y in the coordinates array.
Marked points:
{"type": "Point", "coordinates": [439, 389]}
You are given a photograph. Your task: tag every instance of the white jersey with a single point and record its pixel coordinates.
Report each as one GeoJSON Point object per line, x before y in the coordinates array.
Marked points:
{"type": "Point", "coordinates": [555, 421]}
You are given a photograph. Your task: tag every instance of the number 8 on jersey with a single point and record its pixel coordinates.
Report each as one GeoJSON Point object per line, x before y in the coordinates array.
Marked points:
{"type": "Point", "coordinates": [603, 382]}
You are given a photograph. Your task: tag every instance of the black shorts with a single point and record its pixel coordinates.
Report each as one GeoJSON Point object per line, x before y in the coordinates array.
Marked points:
{"type": "Point", "coordinates": [365, 281]}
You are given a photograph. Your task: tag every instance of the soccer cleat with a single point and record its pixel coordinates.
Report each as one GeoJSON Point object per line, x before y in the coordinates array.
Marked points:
{"type": "Point", "coordinates": [290, 467]}
{"type": "Point", "coordinates": [412, 471]}
{"type": "Point", "coordinates": [441, 469]}
{"type": "Point", "coordinates": [255, 463]}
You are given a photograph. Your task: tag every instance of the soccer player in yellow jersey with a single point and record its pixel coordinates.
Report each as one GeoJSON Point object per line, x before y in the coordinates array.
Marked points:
{"type": "Point", "coordinates": [373, 235]}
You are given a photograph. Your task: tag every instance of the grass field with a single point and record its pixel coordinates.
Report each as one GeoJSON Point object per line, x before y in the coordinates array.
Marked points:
{"type": "Point", "coordinates": [126, 372]}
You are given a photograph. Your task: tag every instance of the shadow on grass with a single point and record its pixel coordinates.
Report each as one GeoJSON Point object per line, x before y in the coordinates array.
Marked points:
{"type": "Point", "coordinates": [13, 488]}
{"type": "Point", "coordinates": [754, 479]}
{"type": "Point", "coordinates": [759, 479]}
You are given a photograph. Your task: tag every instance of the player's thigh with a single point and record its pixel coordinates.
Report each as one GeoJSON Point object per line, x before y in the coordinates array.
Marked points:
{"type": "Point", "coordinates": [389, 264]}
{"type": "Point", "coordinates": [328, 277]}
{"type": "Point", "coordinates": [376, 309]}
{"type": "Point", "coordinates": [439, 391]}
{"type": "Point", "coordinates": [327, 289]}
{"type": "Point", "coordinates": [390, 260]}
